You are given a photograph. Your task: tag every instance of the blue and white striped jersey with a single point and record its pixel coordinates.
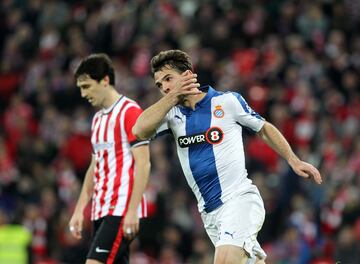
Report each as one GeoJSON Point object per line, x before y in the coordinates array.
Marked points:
{"type": "Point", "coordinates": [210, 146]}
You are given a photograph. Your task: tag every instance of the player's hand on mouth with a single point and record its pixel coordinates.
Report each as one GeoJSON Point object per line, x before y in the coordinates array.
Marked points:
{"type": "Point", "coordinates": [186, 85]}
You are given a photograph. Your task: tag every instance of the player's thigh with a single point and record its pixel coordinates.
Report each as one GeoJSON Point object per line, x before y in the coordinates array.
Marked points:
{"type": "Point", "coordinates": [109, 244]}
{"type": "Point", "coordinates": [229, 254]}
{"type": "Point", "coordinates": [239, 222]}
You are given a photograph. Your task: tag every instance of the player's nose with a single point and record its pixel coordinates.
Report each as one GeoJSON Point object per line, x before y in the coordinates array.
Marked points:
{"type": "Point", "coordinates": [166, 89]}
{"type": "Point", "coordinates": [82, 92]}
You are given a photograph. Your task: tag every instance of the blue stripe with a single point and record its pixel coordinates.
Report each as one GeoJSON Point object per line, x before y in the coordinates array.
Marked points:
{"type": "Point", "coordinates": [246, 107]}
{"type": "Point", "coordinates": [202, 158]}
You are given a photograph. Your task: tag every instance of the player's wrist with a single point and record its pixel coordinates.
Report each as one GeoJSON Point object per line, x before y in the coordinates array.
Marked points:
{"type": "Point", "coordinates": [79, 209]}
{"type": "Point", "coordinates": [293, 160]}
{"type": "Point", "coordinates": [172, 98]}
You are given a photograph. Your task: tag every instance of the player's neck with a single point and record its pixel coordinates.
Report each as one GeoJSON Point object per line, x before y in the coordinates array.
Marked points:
{"type": "Point", "coordinates": [191, 100]}
{"type": "Point", "coordinates": [111, 97]}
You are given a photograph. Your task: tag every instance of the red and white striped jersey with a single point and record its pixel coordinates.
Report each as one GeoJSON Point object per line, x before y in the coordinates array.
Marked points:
{"type": "Point", "coordinates": [112, 139]}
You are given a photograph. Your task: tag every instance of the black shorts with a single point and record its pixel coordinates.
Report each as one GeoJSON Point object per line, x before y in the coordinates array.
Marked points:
{"type": "Point", "coordinates": [109, 244]}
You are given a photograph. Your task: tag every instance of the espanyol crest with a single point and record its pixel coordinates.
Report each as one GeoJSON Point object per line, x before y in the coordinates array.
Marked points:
{"type": "Point", "coordinates": [218, 112]}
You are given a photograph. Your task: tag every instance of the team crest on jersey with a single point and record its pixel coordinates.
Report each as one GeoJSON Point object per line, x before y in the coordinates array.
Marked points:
{"type": "Point", "coordinates": [218, 112]}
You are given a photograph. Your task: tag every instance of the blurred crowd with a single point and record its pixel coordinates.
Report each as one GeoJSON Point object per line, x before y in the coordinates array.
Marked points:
{"type": "Point", "coordinates": [296, 62]}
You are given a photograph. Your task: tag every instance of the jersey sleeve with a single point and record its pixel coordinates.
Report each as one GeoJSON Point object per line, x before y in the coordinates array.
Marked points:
{"type": "Point", "coordinates": [245, 115]}
{"type": "Point", "coordinates": [93, 122]}
{"type": "Point", "coordinates": [131, 116]}
{"type": "Point", "coordinates": [164, 127]}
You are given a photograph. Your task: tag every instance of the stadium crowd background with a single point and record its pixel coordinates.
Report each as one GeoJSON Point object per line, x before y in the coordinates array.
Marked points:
{"type": "Point", "coordinates": [296, 62]}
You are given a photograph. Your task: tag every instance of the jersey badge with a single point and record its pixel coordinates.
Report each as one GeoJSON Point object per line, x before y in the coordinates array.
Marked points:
{"type": "Point", "coordinates": [218, 112]}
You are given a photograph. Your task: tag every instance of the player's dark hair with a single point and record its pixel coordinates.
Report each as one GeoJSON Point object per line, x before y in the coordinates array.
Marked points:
{"type": "Point", "coordinates": [97, 66]}
{"type": "Point", "coordinates": [175, 59]}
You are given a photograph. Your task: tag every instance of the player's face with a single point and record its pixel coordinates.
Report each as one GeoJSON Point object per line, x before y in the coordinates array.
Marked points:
{"type": "Point", "coordinates": [165, 79]}
{"type": "Point", "coordinates": [91, 90]}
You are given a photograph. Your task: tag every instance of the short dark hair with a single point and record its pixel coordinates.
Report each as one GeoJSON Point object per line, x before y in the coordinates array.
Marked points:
{"type": "Point", "coordinates": [97, 66]}
{"type": "Point", "coordinates": [175, 59]}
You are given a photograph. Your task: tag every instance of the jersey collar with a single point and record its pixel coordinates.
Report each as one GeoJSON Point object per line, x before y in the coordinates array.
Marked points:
{"type": "Point", "coordinates": [106, 111]}
{"type": "Point", "coordinates": [210, 92]}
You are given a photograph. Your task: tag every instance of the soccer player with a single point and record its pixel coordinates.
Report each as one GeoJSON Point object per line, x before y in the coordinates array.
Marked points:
{"type": "Point", "coordinates": [120, 166]}
{"type": "Point", "coordinates": [207, 127]}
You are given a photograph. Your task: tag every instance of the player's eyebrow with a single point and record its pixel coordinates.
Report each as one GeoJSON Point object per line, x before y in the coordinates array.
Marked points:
{"type": "Point", "coordinates": [85, 85]}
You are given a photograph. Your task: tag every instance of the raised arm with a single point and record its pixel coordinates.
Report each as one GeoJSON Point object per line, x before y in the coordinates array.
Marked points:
{"type": "Point", "coordinates": [272, 136]}
{"type": "Point", "coordinates": [147, 123]}
{"type": "Point", "coordinates": [151, 118]}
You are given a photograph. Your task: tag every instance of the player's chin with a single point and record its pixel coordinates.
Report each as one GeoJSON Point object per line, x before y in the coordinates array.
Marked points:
{"type": "Point", "coordinates": [93, 103]}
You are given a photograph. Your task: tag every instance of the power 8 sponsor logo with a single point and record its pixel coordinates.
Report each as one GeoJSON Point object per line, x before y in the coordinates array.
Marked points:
{"type": "Point", "coordinates": [214, 135]}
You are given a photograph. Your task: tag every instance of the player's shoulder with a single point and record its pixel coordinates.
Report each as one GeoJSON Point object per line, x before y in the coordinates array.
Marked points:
{"type": "Point", "coordinates": [228, 97]}
{"type": "Point", "coordinates": [174, 112]}
{"type": "Point", "coordinates": [127, 105]}
{"type": "Point", "coordinates": [97, 114]}
{"type": "Point", "coordinates": [130, 102]}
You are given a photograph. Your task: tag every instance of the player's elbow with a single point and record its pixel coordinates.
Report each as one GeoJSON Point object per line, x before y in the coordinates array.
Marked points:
{"type": "Point", "coordinates": [264, 129]}
{"type": "Point", "coordinates": [138, 132]}
{"type": "Point", "coordinates": [260, 133]}
{"type": "Point", "coordinates": [263, 132]}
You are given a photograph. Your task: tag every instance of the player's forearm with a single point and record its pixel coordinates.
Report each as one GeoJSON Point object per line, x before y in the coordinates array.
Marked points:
{"type": "Point", "coordinates": [141, 177]}
{"type": "Point", "coordinates": [150, 119]}
{"type": "Point", "coordinates": [86, 190]}
{"type": "Point", "coordinates": [273, 137]}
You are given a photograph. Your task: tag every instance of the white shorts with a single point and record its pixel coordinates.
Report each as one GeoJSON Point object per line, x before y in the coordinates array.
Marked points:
{"type": "Point", "coordinates": [237, 222]}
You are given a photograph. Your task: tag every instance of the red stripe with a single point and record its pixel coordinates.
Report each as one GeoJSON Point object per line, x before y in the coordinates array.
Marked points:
{"type": "Point", "coordinates": [106, 169]}
{"type": "Point", "coordinates": [97, 176]}
{"type": "Point", "coordinates": [119, 164]}
{"type": "Point", "coordinates": [142, 207]}
{"type": "Point", "coordinates": [120, 233]}
{"type": "Point", "coordinates": [94, 123]}
{"type": "Point", "coordinates": [119, 160]}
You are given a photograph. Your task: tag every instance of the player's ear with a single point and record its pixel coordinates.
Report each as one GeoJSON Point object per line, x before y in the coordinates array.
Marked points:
{"type": "Point", "coordinates": [106, 80]}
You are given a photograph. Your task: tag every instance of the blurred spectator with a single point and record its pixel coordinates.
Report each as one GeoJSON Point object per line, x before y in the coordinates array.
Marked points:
{"type": "Point", "coordinates": [347, 248]}
{"type": "Point", "coordinates": [296, 62]}
{"type": "Point", "coordinates": [14, 241]}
